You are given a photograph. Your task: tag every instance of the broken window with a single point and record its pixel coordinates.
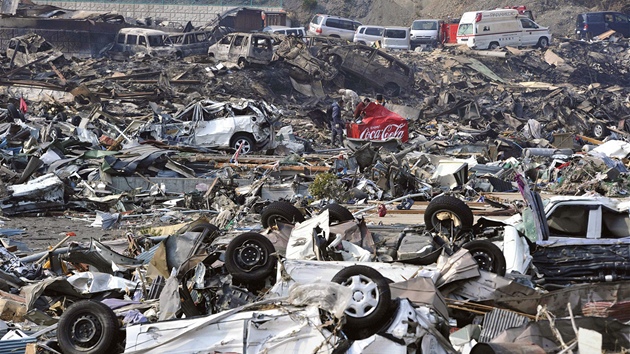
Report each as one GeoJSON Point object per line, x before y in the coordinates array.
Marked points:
{"type": "Point", "coordinates": [261, 43]}
{"type": "Point", "coordinates": [142, 41]}
{"type": "Point", "coordinates": [120, 39]}
{"type": "Point", "coordinates": [132, 39]}
{"type": "Point", "coordinates": [226, 40]}
{"type": "Point", "coordinates": [615, 224]}
{"type": "Point", "coordinates": [382, 61]}
{"type": "Point", "coordinates": [156, 41]}
{"type": "Point", "coordinates": [238, 41]}
{"type": "Point", "coordinates": [608, 18]}
{"type": "Point", "coordinates": [201, 37]}
{"type": "Point", "coordinates": [569, 220]}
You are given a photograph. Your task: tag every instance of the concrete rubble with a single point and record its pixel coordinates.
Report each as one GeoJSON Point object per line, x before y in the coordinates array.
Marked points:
{"type": "Point", "coordinates": [238, 227]}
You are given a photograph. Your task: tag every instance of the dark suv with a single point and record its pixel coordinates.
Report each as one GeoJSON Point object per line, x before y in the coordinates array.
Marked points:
{"type": "Point", "coordinates": [592, 24]}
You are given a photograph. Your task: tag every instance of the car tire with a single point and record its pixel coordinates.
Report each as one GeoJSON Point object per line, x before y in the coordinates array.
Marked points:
{"type": "Point", "coordinates": [391, 89]}
{"type": "Point", "coordinates": [335, 60]}
{"type": "Point", "coordinates": [543, 43]}
{"type": "Point", "coordinates": [371, 296]}
{"type": "Point", "coordinates": [487, 255]}
{"type": "Point", "coordinates": [493, 45]}
{"type": "Point", "coordinates": [54, 133]}
{"type": "Point", "coordinates": [14, 112]}
{"type": "Point", "coordinates": [280, 211]}
{"type": "Point", "coordinates": [88, 327]}
{"type": "Point", "coordinates": [444, 208]}
{"type": "Point", "coordinates": [250, 258]}
{"type": "Point", "coordinates": [211, 234]}
{"type": "Point", "coordinates": [243, 63]}
{"type": "Point", "coordinates": [246, 140]}
{"type": "Point", "coordinates": [600, 131]}
{"type": "Point", "coordinates": [337, 213]}
{"type": "Point", "coordinates": [363, 333]}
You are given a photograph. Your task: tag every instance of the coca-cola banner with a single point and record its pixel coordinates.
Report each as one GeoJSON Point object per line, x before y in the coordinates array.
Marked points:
{"type": "Point", "coordinates": [379, 123]}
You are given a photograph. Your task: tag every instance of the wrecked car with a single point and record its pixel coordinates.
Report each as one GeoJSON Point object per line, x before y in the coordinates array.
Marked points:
{"type": "Point", "coordinates": [380, 69]}
{"type": "Point", "coordinates": [243, 49]}
{"type": "Point", "coordinates": [132, 41]}
{"type": "Point", "coordinates": [244, 126]}
{"type": "Point", "coordinates": [30, 48]}
{"type": "Point", "coordinates": [295, 52]}
{"type": "Point", "coordinates": [191, 43]}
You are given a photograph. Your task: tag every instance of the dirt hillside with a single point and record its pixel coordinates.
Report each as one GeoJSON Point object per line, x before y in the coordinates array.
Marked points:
{"type": "Point", "coordinates": [557, 14]}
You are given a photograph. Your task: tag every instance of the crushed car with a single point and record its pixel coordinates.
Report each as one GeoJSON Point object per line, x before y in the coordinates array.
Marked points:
{"type": "Point", "coordinates": [31, 48]}
{"type": "Point", "coordinates": [244, 125]}
{"type": "Point", "coordinates": [294, 51]}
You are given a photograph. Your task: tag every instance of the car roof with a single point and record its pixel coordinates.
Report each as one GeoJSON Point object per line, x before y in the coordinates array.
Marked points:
{"type": "Point", "coordinates": [337, 17]}
{"type": "Point", "coordinates": [146, 31]}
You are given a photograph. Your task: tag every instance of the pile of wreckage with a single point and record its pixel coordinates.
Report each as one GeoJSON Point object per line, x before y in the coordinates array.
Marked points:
{"type": "Point", "coordinates": [273, 262]}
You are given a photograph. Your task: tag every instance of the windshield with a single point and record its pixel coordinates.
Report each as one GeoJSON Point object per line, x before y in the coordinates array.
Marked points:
{"type": "Point", "coordinates": [424, 25]}
{"type": "Point", "coordinates": [465, 29]}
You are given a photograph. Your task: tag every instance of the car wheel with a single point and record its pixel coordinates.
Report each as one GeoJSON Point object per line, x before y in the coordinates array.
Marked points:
{"type": "Point", "coordinates": [362, 42]}
{"type": "Point", "coordinates": [448, 215]}
{"type": "Point", "coordinates": [211, 234]}
{"type": "Point", "coordinates": [381, 326]}
{"type": "Point", "coordinates": [250, 258]}
{"type": "Point", "coordinates": [600, 131]}
{"type": "Point", "coordinates": [88, 327]}
{"type": "Point", "coordinates": [246, 141]}
{"type": "Point", "coordinates": [335, 60]}
{"type": "Point", "coordinates": [493, 45]}
{"type": "Point", "coordinates": [391, 89]}
{"type": "Point", "coordinates": [337, 213]}
{"type": "Point", "coordinates": [371, 296]}
{"type": "Point", "coordinates": [242, 63]}
{"type": "Point", "coordinates": [54, 133]}
{"type": "Point", "coordinates": [14, 112]}
{"type": "Point", "coordinates": [280, 211]}
{"type": "Point", "coordinates": [487, 255]}
{"type": "Point", "coordinates": [543, 43]}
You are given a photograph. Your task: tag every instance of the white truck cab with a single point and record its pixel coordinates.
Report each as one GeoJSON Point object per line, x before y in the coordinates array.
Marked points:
{"type": "Point", "coordinates": [499, 28]}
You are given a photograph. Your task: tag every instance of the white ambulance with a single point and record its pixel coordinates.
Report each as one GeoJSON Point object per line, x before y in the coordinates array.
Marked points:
{"type": "Point", "coordinates": [498, 28]}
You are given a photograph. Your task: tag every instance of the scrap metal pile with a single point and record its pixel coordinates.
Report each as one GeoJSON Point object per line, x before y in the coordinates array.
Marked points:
{"type": "Point", "coordinates": [220, 183]}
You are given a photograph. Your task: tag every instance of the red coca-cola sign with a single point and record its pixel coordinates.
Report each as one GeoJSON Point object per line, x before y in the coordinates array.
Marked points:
{"type": "Point", "coordinates": [379, 123]}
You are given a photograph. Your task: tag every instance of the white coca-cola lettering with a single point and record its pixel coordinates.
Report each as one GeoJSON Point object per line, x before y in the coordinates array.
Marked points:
{"type": "Point", "coordinates": [378, 133]}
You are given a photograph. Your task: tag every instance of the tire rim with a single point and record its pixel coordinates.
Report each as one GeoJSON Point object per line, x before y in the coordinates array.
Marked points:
{"type": "Point", "coordinates": [273, 220]}
{"type": "Point", "coordinates": [598, 130]}
{"type": "Point", "coordinates": [446, 222]}
{"type": "Point", "coordinates": [246, 145]}
{"type": "Point", "coordinates": [86, 331]}
{"type": "Point", "coordinates": [365, 296]}
{"type": "Point", "coordinates": [250, 256]}
{"type": "Point", "coordinates": [484, 260]}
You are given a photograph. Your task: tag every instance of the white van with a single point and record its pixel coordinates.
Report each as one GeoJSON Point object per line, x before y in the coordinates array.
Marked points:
{"type": "Point", "coordinates": [396, 38]}
{"type": "Point", "coordinates": [425, 32]}
{"type": "Point", "coordinates": [368, 34]}
{"type": "Point", "coordinates": [498, 28]}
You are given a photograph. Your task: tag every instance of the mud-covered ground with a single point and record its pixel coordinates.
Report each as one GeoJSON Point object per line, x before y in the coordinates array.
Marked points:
{"type": "Point", "coordinates": [42, 232]}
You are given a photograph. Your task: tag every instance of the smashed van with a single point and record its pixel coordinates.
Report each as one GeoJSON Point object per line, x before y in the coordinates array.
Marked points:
{"type": "Point", "coordinates": [499, 28]}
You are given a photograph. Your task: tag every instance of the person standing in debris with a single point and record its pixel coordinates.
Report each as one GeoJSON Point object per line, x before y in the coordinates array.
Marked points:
{"type": "Point", "coordinates": [350, 98]}
{"type": "Point", "coordinates": [336, 124]}
{"type": "Point", "coordinates": [380, 100]}
{"type": "Point", "coordinates": [358, 111]}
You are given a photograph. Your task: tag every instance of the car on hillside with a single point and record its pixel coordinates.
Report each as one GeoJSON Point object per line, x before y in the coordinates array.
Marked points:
{"type": "Point", "coordinates": [367, 35]}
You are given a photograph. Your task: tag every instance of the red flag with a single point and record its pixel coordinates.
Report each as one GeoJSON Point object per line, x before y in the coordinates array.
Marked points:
{"type": "Point", "coordinates": [23, 106]}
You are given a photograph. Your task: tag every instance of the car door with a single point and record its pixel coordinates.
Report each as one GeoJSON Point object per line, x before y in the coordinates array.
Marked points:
{"type": "Point", "coordinates": [529, 35]}
{"type": "Point", "coordinates": [221, 49]}
{"type": "Point", "coordinates": [238, 47]}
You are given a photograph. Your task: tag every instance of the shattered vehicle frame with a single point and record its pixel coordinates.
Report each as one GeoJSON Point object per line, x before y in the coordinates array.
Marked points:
{"type": "Point", "coordinates": [244, 126]}
{"type": "Point", "coordinates": [380, 69]}
{"type": "Point", "coordinates": [29, 48]}
{"type": "Point", "coordinates": [132, 41]}
{"type": "Point", "coordinates": [294, 51]}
